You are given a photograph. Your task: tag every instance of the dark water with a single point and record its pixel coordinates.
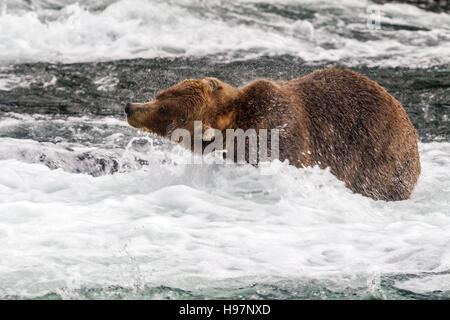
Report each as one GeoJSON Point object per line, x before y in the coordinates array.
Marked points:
{"type": "Point", "coordinates": [74, 92]}
{"type": "Point", "coordinates": [381, 289]}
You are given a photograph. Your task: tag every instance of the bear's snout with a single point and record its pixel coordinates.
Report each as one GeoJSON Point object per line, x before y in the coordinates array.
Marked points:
{"type": "Point", "coordinates": [128, 109]}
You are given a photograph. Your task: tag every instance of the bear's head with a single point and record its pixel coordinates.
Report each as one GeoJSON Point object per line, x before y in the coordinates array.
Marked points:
{"type": "Point", "coordinates": [207, 100]}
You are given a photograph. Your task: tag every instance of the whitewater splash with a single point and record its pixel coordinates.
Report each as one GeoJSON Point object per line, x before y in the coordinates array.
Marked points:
{"type": "Point", "coordinates": [315, 31]}
{"type": "Point", "coordinates": [197, 227]}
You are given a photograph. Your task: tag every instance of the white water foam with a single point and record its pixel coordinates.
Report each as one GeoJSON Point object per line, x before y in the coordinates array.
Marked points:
{"type": "Point", "coordinates": [334, 31]}
{"type": "Point", "coordinates": [427, 284]}
{"type": "Point", "coordinates": [193, 226]}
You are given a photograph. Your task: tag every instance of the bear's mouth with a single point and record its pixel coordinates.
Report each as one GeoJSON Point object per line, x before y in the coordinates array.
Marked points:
{"type": "Point", "coordinates": [133, 123]}
{"type": "Point", "coordinates": [161, 130]}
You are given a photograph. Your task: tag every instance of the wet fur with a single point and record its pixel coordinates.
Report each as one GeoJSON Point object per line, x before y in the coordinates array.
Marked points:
{"type": "Point", "coordinates": [333, 118]}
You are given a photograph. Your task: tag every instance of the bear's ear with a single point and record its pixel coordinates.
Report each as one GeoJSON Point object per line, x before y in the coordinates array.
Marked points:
{"type": "Point", "coordinates": [213, 83]}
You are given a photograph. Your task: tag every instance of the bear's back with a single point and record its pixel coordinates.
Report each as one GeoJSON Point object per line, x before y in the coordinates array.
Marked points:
{"type": "Point", "coordinates": [360, 131]}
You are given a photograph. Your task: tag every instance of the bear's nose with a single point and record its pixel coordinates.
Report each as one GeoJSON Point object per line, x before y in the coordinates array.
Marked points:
{"type": "Point", "coordinates": [128, 109]}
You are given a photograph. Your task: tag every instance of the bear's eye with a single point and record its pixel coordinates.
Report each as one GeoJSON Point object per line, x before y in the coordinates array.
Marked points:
{"type": "Point", "coordinates": [162, 109]}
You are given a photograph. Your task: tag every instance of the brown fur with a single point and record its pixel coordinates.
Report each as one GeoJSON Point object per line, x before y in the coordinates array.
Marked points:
{"type": "Point", "coordinates": [333, 118]}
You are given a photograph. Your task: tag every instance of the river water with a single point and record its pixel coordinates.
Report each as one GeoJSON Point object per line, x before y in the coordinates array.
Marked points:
{"type": "Point", "coordinates": [91, 208]}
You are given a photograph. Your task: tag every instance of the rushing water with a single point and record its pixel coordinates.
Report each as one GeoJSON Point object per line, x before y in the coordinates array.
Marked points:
{"type": "Point", "coordinates": [92, 208]}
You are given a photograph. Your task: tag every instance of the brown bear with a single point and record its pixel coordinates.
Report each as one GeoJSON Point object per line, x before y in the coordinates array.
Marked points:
{"type": "Point", "coordinates": [333, 117]}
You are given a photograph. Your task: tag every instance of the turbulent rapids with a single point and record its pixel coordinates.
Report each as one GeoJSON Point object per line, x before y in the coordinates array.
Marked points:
{"type": "Point", "coordinates": [91, 208]}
